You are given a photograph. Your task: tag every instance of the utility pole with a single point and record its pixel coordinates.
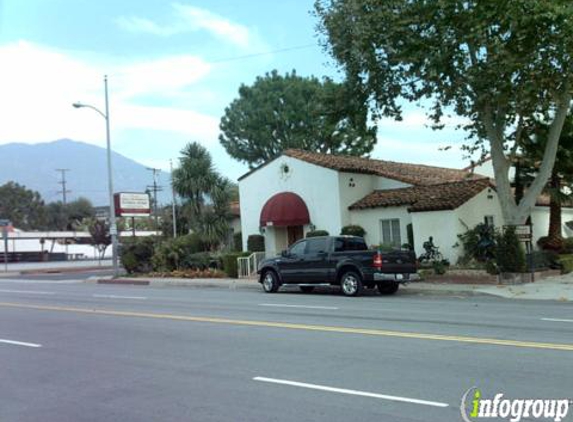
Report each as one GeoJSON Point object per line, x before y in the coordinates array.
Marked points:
{"type": "Point", "coordinates": [173, 205]}
{"type": "Point", "coordinates": [64, 191]}
{"type": "Point", "coordinates": [155, 188]}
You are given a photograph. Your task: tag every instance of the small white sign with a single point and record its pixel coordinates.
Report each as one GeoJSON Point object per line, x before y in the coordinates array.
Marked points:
{"type": "Point", "coordinates": [132, 204]}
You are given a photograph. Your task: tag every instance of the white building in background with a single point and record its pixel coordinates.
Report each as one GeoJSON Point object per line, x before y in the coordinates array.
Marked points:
{"type": "Point", "coordinates": [300, 191]}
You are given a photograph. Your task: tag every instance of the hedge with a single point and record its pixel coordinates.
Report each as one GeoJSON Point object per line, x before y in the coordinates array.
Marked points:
{"type": "Point", "coordinates": [230, 263]}
{"type": "Point", "coordinates": [316, 233]}
{"type": "Point", "coordinates": [256, 243]}
{"type": "Point", "coordinates": [353, 230]}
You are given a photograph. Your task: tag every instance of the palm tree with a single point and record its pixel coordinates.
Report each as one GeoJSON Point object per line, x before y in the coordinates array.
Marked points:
{"type": "Point", "coordinates": [206, 194]}
{"type": "Point", "coordinates": [561, 179]}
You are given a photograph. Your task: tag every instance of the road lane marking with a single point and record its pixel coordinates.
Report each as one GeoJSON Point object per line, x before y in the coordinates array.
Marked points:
{"type": "Point", "coordinates": [119, 297]}
{"type": "Point", "coordinates": [19, 343]}
{"type": "Point", "coordinates": [304, 327]}
{"type": "Point", "coordinates": [557, 320]}
{"type": "Point", "coordinates": [351, 392]}
{"type": "Point", "coordinates": [281, 305]}
{"type": "Point", "coordinates": [30, 292]}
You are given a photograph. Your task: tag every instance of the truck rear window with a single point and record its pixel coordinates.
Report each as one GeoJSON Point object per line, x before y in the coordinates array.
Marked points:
{"type": "Point", "coordinates": [342, 244]}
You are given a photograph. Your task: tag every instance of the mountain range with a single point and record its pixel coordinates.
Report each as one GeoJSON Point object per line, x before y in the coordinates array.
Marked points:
{"type": "Point", "coordinates": [34, 166]}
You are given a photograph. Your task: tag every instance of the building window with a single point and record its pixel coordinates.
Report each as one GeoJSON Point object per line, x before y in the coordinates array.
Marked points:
{"type": "Point", "coordinates": [488, 220]}
{"type": "Point", "coordinates": [391, 232]}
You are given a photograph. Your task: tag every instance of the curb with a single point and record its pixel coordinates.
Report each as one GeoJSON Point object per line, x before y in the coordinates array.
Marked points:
{"type": "Point", "coordinates": [60, 270]}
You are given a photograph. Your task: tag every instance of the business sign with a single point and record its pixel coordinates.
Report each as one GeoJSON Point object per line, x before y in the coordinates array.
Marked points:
{"type": "Point", "coordinates": [523, 232]}
{"type": "Point", "coordinates": [131, 204]}
{"type": "Point", "coordinates": [5, 227]}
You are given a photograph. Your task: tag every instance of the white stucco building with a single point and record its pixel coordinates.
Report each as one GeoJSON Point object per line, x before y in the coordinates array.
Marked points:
{"type": "Point", "coordinates": [300, 191]}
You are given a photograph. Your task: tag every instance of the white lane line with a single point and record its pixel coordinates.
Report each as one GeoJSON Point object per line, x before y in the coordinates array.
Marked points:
{"type": "Point", "coordinates": [119, 297]}
{"type": "Point", "coordinates": [19, 343]}
{"type": "Point", "coordinates": [30, 292]}
{"type": "Point", "coordinates": [556, 320]}
{"type": "Point", "coordinates": [351, 392]}
{"type": "Point", "coordinates": [280, 305]}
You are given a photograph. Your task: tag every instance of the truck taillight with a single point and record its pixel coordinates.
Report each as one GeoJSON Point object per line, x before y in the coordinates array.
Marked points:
{"type": "Point", "coordinates": [377, 261]}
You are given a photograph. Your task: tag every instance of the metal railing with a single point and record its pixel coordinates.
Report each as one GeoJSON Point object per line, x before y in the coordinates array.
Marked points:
{"type": "Point", "coordinates": [247, 265]}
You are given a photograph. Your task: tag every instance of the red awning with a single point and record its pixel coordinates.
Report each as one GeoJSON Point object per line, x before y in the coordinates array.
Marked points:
{"type": "Point", "coordinates": [284, 209]}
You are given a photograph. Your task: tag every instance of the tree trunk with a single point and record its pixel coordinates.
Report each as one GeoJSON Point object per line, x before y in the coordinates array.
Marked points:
{"type": "Point", "coordinates": [554, 237]}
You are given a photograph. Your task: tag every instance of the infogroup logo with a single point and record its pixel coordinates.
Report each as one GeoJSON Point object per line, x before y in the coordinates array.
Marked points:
{"type": "Point", "coordinates": [474, 408]}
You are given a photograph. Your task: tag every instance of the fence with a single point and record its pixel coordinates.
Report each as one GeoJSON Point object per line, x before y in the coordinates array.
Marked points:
{"type": "Point", "coordinates": [247, 266]}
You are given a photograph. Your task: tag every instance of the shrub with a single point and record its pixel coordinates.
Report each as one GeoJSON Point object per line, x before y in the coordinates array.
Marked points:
{"type": "Point", "coordinates": [353, 230]}
{"type": "Point", "coordinates": [173, 254]}
{"type": "Point", "coordinates": [542, 260]}
{"type": "Point", "coordinates": [230, 263]}
{"type": "Point", "coordinates": [510, 256]}
{"type": "Point", "coordinates": [566, 262]}
{"type": "Point", "coordinates": [384, 247]}
{"type": "Point", "coordinates": [136, 253]}
{"type": "Point", "coordinates": [316, 233]}
{"type": "Point", "coordinates": [568, 245]}
{"type": "Point", "coordinates": [256, 243]}
{"type": "Point", "coordinates": [478, 243]}
{"type": "Point", "coordinates": [439, 267]}
{"type": "Point", "coordinates": [237, 242]}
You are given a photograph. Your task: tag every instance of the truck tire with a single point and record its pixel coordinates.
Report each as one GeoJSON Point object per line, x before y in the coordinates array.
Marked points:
{"type": "Point", "coordinates": [351, 284]}
{"type": "Point", "coordinates": [388, 288]}
{"type": "Point", "coordinates": [306, 289]}
{"type": "Point", "coordinates": [270, 282]}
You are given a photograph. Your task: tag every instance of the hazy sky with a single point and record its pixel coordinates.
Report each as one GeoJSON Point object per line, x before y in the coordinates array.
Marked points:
{"type": "Point", "coordinates": [173, 68]}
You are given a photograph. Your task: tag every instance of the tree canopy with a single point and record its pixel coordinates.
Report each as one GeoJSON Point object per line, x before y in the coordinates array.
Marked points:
{"type": "Point", "coordinates": [497, 64]}
{"type": "Point", "coordinates": [280, 112]}
{"type": "Point", "coordinates": [23, 207]}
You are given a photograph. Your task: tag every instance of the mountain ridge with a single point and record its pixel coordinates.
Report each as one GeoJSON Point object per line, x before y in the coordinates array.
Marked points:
{"type": "Point", "coordinates": [87, 176]}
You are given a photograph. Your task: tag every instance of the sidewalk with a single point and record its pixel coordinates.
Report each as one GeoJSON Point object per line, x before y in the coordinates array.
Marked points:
{"type": "Point", "coordinates": [555, 288]}
{"type": "Point", "coordinates": [54, 266]}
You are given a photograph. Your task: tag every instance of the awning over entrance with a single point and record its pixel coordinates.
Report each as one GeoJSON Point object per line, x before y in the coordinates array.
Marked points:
{"type": "Point", "coordinates": [284, 209]}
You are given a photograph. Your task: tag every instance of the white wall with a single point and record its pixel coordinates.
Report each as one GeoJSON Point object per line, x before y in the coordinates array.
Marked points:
{"type": "Point", "coordinates": [352, 187]}
{"type": "Point", "coordinates": [317, 186]}
{"type": "Point", "coordinates": [381, 183]}
{"type": "Point", "coordinates": [540, 221]}
{"type": "Point", "coordinates": [370, 221]}
{"type": "Point", "coordinates": [442, 226]}
{"type": "Point", "coordinates": [473, 212]}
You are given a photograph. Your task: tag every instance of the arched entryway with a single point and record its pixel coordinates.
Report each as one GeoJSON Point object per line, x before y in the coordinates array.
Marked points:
{"type": "Point", "coordinates": [284, 216]}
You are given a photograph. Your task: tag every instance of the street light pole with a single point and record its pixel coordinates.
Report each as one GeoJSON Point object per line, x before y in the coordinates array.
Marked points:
{"type": "Point", "coordinates": [112, 221]}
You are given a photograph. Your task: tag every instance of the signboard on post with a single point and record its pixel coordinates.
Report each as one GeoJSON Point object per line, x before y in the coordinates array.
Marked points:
{"type": "Point", "coordinates": [131, 204]}
{"type": "Point", "coordinates": [523, 232]}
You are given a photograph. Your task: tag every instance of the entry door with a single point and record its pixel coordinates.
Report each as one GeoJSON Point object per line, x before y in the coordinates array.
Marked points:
{"type": "Point", "coordinates": [294, 233]}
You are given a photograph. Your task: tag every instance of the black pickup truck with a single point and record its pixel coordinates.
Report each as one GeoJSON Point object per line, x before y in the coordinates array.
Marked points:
{"type": "Point", "coordinates": [338, 260]}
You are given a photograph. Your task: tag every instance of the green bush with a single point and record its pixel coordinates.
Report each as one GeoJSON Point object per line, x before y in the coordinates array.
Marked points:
{"type": "Point", "coordinates": [353, 230]}
{"type": "Point", "coordinates": [542, 260]}
{"type": "Point", "coordinates": [136, 254]}
{"type": "Point", "coordinates": [479, 244]}
{"type": "Point", "coordinates": [256, 243]}
{"type": "Point", "coordinates": [566, 262]}
{"type": "Point", "coordinates": [316, 233]}
{"type": "Point", "coordinates": [510, 256]}
{"type": "Point", "coordinates": [173, 254]}
{"type": "Point", "coordinates": [237, 242]}
{"type": "Point", "coordinates": [439, 267]}
{"type": "Point", "coordinates": [230, 263]}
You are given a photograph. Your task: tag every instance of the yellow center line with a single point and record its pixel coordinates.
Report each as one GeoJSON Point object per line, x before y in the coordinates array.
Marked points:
{"type": "Point", "coordinates": [306, 327]}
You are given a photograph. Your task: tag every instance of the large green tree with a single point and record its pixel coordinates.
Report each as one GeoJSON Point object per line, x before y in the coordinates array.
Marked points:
{"type": "Point", "coordinates": [560, 183]}
{"type": "Point", "coordinates": [205, 194]}
{"type": "Point", "coordinates": [24, 207]}
{"type": "Point", "coordinates": [69, 216]}
{"type": "Point", "coordinates": [497, 64]}
{"type": "Point", "coordinates": [280, 112]}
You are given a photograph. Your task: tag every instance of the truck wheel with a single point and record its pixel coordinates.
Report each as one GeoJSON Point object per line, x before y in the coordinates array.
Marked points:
{"type": "Point", "coordinates": [270, 282]}
{"type": "Point", "coordinates": [306, 289]}
{"type": "Point", "coordinates": [351, 284]}
{"type": "Point", "coordinates": [388, 288]}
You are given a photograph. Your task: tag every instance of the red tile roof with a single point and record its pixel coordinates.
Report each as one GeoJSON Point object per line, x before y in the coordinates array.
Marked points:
{"type": "Point", "coordinates": [444, 196]}
{"type": "Point", "coordinates": [414, 174]}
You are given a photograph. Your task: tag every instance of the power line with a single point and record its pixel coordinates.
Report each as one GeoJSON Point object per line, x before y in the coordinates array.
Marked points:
{"type": "Point", "coordinates": [62, 182]}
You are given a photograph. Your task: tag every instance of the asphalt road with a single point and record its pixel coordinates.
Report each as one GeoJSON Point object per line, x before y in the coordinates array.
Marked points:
{"type": "Point", "coordinates": [84, 352]}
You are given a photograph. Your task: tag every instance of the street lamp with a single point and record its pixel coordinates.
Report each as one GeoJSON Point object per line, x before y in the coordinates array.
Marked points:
{"type": "Point", "coordinates": [113, 225]}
